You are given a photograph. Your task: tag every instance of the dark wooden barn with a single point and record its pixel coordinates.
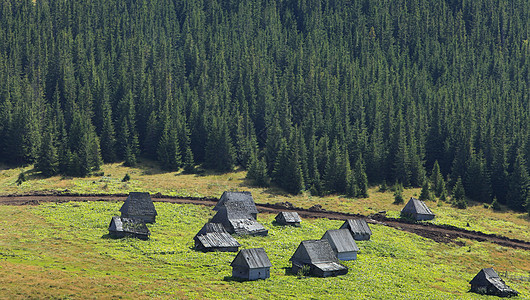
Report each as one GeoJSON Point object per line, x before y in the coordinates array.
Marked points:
{"type": "Point", "coordinates": [124, 227]}
{"type": "Point", "coordinates": [238, 221]}
{"type": "Point", "coordinates": [242, 200]}
{"type": "Point", "coordinates": [488, 282]}
{"type": "Point", "coordinates": [319, 256]}
{"type": "Point", "coordinates": [358, 228]}
{"type": "Point", "coordinates": [417, 210]}
{"type": "Point", "coordinates": [214, 237]}
{"type": "Point", "coordinates": [342, 243]}
{"type": "Point", "coordinates": [288, 218]}
{"type": "Point", "coordinates": [251, 264]}
{"type": "Point", "coordinates": [139, 206]}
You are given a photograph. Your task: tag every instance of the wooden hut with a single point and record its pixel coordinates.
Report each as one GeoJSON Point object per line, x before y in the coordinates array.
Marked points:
{"type": "Point", "coordinates": [358, 228]}
{"type": "Point", "coordinates": [417, 210]}
{"type": "Point", "coordinates": [319, 256]}
{"type": "Point", "coordinates": [288, 218]}
{"type": "Point", "coordinates": [214, 237]}
{"type": "Point", "coordinates": [488, 282]}
{"type": "Point", "coordinates": [124, 227]}
{"type": "Point", "coordinates": [139, 206]}
{"type": "Point", "coordinates": [251, 264]}
{"type": "Point", "coordinates": [238, 221]}
{"type": "Point", "coordinates": [242, 200]}
{"type": "Point", "coordinates": [342, 243]}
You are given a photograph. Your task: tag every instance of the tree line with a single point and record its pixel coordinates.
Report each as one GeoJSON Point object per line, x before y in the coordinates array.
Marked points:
{"type": "Point", "coordinates": [328, 96]}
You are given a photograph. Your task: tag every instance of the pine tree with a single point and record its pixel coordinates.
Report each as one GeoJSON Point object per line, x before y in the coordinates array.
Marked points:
{"type": "Point", "coordinates": [519, 188]}
{"type": "Point", "coordinates": [398, 193]}
{"type": "Point", "coordinates": [459, 195]}
{"type": "Point", "coordinates": [361, 180]}
{"type": "Point", "coordinates": [437, 180]}
{"type": "Point", "coordinates": [168, 149]}
{"type": "Point", "coordinates": [47, 161]}
{"type": "Point", "coordinates": [425, 192]}
{"type": "Point", "coordinates": [257, 171]}
{"type": "Point", "coordinates": [108, 139]}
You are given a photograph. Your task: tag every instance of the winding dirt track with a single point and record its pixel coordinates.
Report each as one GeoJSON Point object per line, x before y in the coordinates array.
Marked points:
{"type": "Point", "coordinates": [439, 233]}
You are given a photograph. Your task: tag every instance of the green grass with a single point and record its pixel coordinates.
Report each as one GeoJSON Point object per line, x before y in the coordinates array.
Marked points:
{"type": "Point", "coordinates": [149, 177]}
{"type": "Point", "coordinates": [61, 250]}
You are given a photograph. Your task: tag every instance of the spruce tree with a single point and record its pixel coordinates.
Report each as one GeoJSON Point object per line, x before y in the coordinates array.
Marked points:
{"type": "Point", "coordinates": [425, 192]}
{"type": "Point", "coordinates": [519, 188]}
{"type": "Point", "coordinates": [459, 195]}
{"type": "Point", "coordinates": [361, 180]}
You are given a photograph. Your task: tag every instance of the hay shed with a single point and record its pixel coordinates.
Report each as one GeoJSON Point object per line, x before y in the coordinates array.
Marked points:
{"type": "Point", "coordinates": [124, 227]}
{"type": "Point", "coordinates": [417, 210]}
{"type": "Point", "coordinates": [238, 221]}
{"type": "Point", "coordinates": [242, 200]}
{"type": "Point", "coordinates": [342, 243]}
{"type": "Point", "coordinates": [214, 237]}
{"type": "Point", "coordinates": [358, 228]}
{"type": "Point", "coordinates": [139, 206]}
{"type": "Point", "coordinates": [319, 257]}
{"type": "Point", "coordinates": [288, 218]}
{"type": "Point", "coordinates": [251, 264]}
{"type": "Point", "coordinates": [488, 282]}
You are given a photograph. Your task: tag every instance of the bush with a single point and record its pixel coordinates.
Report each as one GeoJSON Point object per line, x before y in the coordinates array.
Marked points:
{"type": "Point", "coordinates": [21, 178]}
{"type": "Point", "coordinates": [495, 205]}
{"type": "Point", "coordinates": [126, 178]}
{"type": "Point", "coordinates": [304, 271]}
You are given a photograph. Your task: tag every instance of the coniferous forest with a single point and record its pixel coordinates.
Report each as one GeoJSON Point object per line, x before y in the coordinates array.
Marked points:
{"type": "Point", "coordinates": [328, 96]}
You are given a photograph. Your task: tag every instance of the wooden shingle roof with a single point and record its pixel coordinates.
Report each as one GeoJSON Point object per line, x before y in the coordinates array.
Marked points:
{"type": "Point", "coordinates": [341, 240]}
{"type": "Point", "coordinates": [357, 226]}
{"type": "Point", "coordinates": [138, 204]}
{"type": "Point", "coordinates": [242, 200]}
{"type": "Point", "coordinates": [252, 259]}
{"type": "Point", "coordinates": [415, 206]}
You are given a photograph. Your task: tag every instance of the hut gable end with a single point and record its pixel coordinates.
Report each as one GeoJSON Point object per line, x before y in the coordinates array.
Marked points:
{"type": "Point", "coordinates": [139, 205]}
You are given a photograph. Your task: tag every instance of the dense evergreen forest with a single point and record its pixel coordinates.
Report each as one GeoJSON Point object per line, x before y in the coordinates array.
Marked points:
{"type": "Point", "coordinates": [327, 96]}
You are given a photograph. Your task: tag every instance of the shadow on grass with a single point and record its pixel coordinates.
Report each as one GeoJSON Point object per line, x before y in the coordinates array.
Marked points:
{"type": "Point", "coordinates": [233, 279]}
{"type": "Point", "coordinates": [149, 167]}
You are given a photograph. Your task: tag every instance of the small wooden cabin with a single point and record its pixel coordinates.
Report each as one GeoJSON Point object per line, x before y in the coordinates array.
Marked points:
{"type": "Point", "coordinates": [288, 218]}
{"type": "Point", "coordinates": [342, 243]}
{"type": "Point", "coordinates": [242, 200]}
{"type": "Point", "coordinates": [319, 256]}
{"type": "Point", "coordinates": [358, 228]}
{"type": "Point", "coordinates": [417, 210]}
{"type": "Point", "coordinates": [238, 221]}
{"type": "Point", "coordinates": [124, 227]}
{"type": "Point", "coordinates": [488, 282]}
{"type": "Point", "coordinates": [214, 237]}
{"type": "Point", "coordinates": [251, 264]}
{"type": "Point", "coordinates": [139, 206]}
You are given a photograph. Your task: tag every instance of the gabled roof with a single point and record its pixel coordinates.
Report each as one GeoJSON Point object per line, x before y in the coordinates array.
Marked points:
{"type": "Point", "coordinates": [217, 240]}
{"type": "Point", "coordinates": [289, 216]}
{"type": "Point", "coordinates": [488, 275]}
{"type": "Point", "coordinates": [341, 240]}
{"type": "Point", "coordinates": [128, 225]}
{"type": "Point", "coordinates": [212, 228]}
{"type": "Point", "coordinates": [241, 200]}
{"type": "Point", "coordinates": [138, 204]}
{"type": "Point", "coordinates": [357, 226]}
{"type": "Point", "coordinates": [415, 206]}
{"type": "Point", "coordinates": [241, 221]}
{"type": "Point", "coordinates": [252, 258]}
{"type": "Point", "coordinates": [314, 251]}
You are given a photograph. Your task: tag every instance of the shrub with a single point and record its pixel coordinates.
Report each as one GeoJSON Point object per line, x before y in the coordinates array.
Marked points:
{"type": "Point", "coordinates": [126, 178]}
{"type": "Point", "coordinates": [495, 205]}
{"type": "Point", "coordinates": [21, 178]}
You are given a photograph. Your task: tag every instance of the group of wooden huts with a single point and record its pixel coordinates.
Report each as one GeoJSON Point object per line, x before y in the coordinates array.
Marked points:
{"type": "Point", "coordinates": [237, 214]}
{"type": "Point", "coordinates": [137, 210]}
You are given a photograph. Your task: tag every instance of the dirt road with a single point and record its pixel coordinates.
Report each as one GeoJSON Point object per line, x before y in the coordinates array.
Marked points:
{"type": "Point", "coordinates": [439, 233]}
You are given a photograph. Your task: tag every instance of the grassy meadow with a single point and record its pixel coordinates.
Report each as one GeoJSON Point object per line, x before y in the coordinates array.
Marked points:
{"type": "Point", "coordinates": [147, 176]}
{"type": "Point", "coordinates": [63, 251]}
